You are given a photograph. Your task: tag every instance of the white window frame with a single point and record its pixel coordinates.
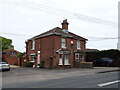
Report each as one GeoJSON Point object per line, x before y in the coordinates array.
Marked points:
{"type": "Point", "coordinates": [63, 43]}
{"type": "Point", "coordinates": [33, 45]}
{"type": "Point", "coordinates": [66, 58]}
{"type": "Point", "coordinates": [32, 58]}
{"type": "Point", "coordinates": [60, 59]}
{"type": "Point", "coordinates": [76, 54]}
{"type": "Point", "coordinates": [78, 44]}
{"type": "Point", "coordinates": [81, 58]}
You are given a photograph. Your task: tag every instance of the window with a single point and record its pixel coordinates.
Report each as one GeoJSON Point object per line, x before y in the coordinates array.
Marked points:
{"type": "Point", "coordinates": [81, 58]}
{"type": "Point", "coordinates": [66, 60]}
{"type": "Point", "coordinates": [78, 44]}
{"type": "Point", "coordinates": [32, 58]}
{"type": "Point", "coordinates": [63, 43]}
{"type": "Point", "coordinates": [77, 57]}
{"type": "Point", "coordinates": [60, 59]}
{"type": "Point", "coordinates": [33, 45]}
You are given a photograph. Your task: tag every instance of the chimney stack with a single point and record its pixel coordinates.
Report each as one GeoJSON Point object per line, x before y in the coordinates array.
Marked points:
{"type": "Point", "coordinates": [65, 25]}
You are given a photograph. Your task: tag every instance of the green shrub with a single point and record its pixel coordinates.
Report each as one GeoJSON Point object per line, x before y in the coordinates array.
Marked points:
{"type": "Point", "coordinates": [29, 64]}
{"type": "Point", "coordinates": [42, 64]}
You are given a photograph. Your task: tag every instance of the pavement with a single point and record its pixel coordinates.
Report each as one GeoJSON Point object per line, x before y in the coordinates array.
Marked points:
{"type": "Point", "coordinates": [106, 69]}
{"type": "Point", "coordinates": [14, 66]}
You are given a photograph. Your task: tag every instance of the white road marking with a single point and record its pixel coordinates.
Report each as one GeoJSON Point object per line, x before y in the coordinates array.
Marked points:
{"type": "Point", "coordinates": [108, 83]}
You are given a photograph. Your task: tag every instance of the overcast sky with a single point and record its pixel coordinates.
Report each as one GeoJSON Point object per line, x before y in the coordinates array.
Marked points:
{"type": "Point", "coordinates": [35, 19]}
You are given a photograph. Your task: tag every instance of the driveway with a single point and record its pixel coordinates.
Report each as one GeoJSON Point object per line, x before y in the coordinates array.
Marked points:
{"type": "Point", "coordinates": [25, 74]}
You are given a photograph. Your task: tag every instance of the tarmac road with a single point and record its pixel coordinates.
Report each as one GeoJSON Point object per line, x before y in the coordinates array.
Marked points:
{"type": "Point", "coordinates": [99, 80]}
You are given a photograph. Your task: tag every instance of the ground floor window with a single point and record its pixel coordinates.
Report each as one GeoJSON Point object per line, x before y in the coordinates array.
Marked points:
{"type": "Point", "coordinates": [32, 58]}
{"type": "Point", "coordinates": [60, 59]}
{"type": "Point", "coordinates": [66, 59]}
{"type": "Point", "coordinates": [79, 57]}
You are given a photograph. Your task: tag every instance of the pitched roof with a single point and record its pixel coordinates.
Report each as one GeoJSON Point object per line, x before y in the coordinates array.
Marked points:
{"type": "Point", "coordinates": [58, 31]}
{"type": "Point", "coordinates": [77, 36]}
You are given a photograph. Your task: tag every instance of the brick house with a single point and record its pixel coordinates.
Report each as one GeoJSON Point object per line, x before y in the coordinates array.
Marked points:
{"type": "Point", "coordinates": [58, 48]}
{"type": "Point", "coordinates": [10, 55]}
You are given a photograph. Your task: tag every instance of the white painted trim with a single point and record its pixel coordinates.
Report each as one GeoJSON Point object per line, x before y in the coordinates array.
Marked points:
{"type": "Point", "coordinates": [60, 64]}
{"type": "Point", "coordinates": [67, 64]}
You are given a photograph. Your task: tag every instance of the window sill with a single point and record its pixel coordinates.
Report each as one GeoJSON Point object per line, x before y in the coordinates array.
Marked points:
{"type": "Point", "coordinates": [67, 64]}
{"type": "Point", "coordinates": [60, 64]}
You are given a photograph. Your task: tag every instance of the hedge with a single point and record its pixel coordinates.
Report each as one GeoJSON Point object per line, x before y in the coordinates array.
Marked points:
{"type": "Point", "coordinates": [112, 53]}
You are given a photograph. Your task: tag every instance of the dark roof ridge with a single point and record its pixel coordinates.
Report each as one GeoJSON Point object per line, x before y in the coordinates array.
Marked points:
{"type": "Point", "coordinates": [58, 31]}
{"type": "Point", "coordinates": [45, 32]}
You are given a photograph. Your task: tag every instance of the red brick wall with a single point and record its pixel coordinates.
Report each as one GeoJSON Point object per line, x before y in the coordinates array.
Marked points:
{"type": "Point", "coordinates": [48, 47]}
{"type": "Point", "coordinates": [57, 45]}
{"type": "Point", "coordinates": [45, 45]}
{"type": "Point", "coordinates": [10, 57]}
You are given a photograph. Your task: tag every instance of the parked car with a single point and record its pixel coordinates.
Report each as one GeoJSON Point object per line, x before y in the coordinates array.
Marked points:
{"type": "Point", "coordinates": [103, 62]}
{"type": "Point", "coordinates": [4, 66]}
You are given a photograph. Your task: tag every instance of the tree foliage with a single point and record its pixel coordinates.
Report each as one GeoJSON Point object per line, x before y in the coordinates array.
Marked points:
{"type": "Point", "coordinates": [5, 43]}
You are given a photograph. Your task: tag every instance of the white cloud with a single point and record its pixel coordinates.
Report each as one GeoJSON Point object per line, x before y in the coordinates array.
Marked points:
{"type": "Point", "coordinates": [34, 21]}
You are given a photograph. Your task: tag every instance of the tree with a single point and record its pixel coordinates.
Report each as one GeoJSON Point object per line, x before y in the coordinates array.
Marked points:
{"type": "Point", "coordinates": [5, 43]}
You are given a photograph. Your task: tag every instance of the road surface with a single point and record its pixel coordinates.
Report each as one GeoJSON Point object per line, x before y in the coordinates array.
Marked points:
{"type": "Point", "coordinates": [100, 80]}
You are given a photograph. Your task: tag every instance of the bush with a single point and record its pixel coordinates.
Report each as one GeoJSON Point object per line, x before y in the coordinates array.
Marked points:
{"type": "Point", "coordinates": [42, 64]}
{"type": "Point", "coordinates": [29, 64]}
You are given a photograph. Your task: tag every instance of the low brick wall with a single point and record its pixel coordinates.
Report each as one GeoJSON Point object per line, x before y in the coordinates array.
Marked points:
{"type": "Point", "coordinates": [86, 65]}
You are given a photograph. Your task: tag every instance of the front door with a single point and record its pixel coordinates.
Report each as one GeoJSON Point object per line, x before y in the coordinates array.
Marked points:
{"type": "Point", "coordinates": [38, 59]}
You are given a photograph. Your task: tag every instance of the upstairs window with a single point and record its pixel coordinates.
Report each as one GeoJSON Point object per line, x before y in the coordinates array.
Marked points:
{"type": "Point", "coordinates": [33, 45]}
{"type": "Point", "coordinates": [63, 43]}
{"type": "Point", "coordinates": [78, 44]}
